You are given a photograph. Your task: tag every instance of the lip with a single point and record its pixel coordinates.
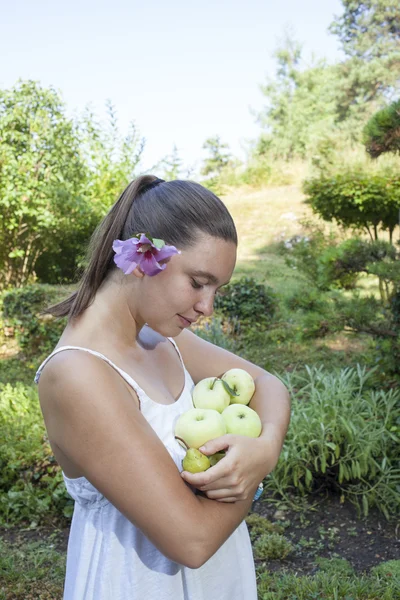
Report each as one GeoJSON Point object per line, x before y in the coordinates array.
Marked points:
{"type": "Point", "coordinates": [186, 322]}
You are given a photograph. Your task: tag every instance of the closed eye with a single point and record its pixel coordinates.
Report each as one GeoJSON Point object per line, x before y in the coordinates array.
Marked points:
{"type": "Point", "coordinates": [196, 285]}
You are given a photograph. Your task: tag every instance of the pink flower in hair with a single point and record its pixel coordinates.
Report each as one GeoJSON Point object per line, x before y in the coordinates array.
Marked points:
{"type": "Point", "coordinates": [142, 250]}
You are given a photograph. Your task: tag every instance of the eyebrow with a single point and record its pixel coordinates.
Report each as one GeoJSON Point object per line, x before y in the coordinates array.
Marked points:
{"type": "Point", "coordinates": [208, 275]}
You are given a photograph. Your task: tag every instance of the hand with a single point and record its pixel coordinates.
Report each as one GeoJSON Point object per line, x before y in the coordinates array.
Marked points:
{"type": "Point", "coordinates": [237, 475]}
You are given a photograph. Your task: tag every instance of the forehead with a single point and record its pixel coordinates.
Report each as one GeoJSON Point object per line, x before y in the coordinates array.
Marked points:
{"type": "Point", "coordinates": [210, 257]}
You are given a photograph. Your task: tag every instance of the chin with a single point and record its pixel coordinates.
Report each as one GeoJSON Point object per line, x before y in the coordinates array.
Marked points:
{"type": "Point", "coordinates": [165, 330]}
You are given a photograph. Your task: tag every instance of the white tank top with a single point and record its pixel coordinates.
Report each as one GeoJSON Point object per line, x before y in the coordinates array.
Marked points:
{"type": "Point", "coordinates": [108, 558]}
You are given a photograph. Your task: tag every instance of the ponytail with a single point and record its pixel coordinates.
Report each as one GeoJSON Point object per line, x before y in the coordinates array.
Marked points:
{"type": "Point", "coordinates": [100, 253]}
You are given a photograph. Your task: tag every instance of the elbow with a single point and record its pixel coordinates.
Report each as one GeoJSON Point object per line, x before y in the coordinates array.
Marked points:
{"type": "Point", "coordinates": [196, 558]}
{"type": "Point", "coordinates": [194, 554]}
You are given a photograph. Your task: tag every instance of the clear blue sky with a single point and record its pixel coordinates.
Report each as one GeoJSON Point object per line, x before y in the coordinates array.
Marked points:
{"type": "Point", "coordinates": [182, 70]}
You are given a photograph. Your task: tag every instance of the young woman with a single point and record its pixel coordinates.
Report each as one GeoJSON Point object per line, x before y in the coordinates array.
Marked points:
{"type": "Point", "coordinates": [116, 383]}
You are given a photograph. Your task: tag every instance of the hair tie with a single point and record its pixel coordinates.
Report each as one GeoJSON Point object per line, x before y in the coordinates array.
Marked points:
{"type": "Point", "coordinates": [153, 184]}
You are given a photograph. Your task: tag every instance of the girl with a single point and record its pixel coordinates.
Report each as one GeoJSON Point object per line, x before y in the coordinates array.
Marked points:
{"type": "Point", "coordinates": [113, 388]}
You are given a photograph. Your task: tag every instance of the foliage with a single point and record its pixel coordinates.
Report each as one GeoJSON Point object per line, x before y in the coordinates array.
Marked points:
{"type": "Point", "coordinates": [272, 546]}
{"type": "Point", "coordinates": [369, 316]}
{"type": "Point", "coordinates": [112, 158]}
{"type": "Point", "coordinates": [215, 331]}
{"type": "Point", "coordinates": [285, 586]}
{"type": "Point", "coordinates": [42, 179]}
{"type": "Point", "coordinates": [357, 200]}
{"type": "Point", "coordinates": [58, 177]}
{"type": "Point", "coordinates": [31, 484]}
{"type": "Point", "coordinates": [34, 571]}
{"type": "Point", "coordinates": [369, 33]}
{"type": "Point", "coordinates": [300, 107]}
{"type": "Point", "coordinates": [382, 132]}
{"type": "Point", "coordinates": [260, 525]}
{"type": "Point", "coordinates": [335, 566]}
{"type": "Point", "coordinates": [344, 437]}
{"type": "Point", "coordinates": [171, 165]}
{"type": "Point", "coordinates": [36, 334]}
{"type": "Point", "coordinates": [219, 157]}
{"type": "Point", "coordinates": [246, 301]}
{"type": "Point", "coordinates": [368, 28]}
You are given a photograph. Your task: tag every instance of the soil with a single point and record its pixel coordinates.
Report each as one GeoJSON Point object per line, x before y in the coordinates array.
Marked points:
{"type": "Point", "coordinates": [326, 528]}
{"type": "Point", "coordinates": [331, 529]}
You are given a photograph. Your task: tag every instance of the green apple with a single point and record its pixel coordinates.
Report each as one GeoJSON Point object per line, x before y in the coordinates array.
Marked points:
{"type": "Point", "coordinates": [197, 426]}
{"type": "Point", "coordinates": [211, 393]}
{"type": "Point", "coordinates": [242, 420]}
{"type": "Point", "coordinates": [241, 382]}
{"type": "Point", "coordinates": [215, 458]}
{"type": "Point", "coordinates": [195, 461]}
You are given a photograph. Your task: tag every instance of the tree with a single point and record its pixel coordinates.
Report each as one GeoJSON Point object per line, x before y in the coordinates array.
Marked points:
{"type": "Point", "coordinates": [369, 32]}
{"type": "Point", "coordinates": [369, 29]}
{"type": "Point", "coordinates": [42, 179]}
{"type": "Point", "coordinates": [171, 165]}
{"type": "Point", "coordinates": [357, 199]}
{"type": "Point", "coordinates": [382, 132]}
{"type": "Point", "coordinates": [112, 158]}
{"type": "Point", "coordinates": [219, 157]}
{"type": "Point", "coordinates": [301, 105]}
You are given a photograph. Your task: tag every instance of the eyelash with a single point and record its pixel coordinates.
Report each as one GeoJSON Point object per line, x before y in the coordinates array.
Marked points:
{"type": "Point", "coordinates": [199, 286]}
{"type": "Point", "coordinates": [196, 286]}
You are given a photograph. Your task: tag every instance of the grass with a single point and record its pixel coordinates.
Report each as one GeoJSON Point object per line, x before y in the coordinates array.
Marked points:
{"type": "Point", "coordinates": [35, 571]}
{"type": "Point", "coordinates": [31, 571]}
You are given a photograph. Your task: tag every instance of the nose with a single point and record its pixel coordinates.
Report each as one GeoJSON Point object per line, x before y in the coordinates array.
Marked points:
{"type": "Point", "coordinates": [205, 306]}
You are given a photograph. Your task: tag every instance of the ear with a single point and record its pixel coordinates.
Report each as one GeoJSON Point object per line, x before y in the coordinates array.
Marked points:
{"type": "Point", "coordinates": [138, 272]}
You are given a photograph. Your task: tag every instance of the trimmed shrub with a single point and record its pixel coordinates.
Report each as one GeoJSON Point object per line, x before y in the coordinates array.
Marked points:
{"type": "Point", "coordinates": [247, 302]}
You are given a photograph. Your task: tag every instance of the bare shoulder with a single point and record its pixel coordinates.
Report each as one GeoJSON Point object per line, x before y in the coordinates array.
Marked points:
{"type": "Point", "coordinates": [204, 359]}
{"type": "Point", "coordinates": [76, 370]}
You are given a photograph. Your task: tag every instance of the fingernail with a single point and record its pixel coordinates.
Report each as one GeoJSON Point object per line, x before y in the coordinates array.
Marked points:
{"type": "Point", "coordinates": [202, 449]}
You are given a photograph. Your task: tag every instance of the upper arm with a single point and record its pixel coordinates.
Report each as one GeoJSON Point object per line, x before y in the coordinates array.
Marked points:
{"type": "Point", "coordinates": [95, 422]}
{"type": "Point", "coordinates": [204, 359]}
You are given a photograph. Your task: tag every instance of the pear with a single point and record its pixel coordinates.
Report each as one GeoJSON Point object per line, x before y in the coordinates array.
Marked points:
{"type": "Point", "coordinates": [214, 458]}
{"type": "Point", "coordinates": [195, 461]}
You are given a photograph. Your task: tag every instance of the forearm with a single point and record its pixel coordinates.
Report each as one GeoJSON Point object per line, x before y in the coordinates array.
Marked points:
{"type": "Point", "coordinates": [216, 522]}
{"type": "Point", "coordinates": [272, 403]}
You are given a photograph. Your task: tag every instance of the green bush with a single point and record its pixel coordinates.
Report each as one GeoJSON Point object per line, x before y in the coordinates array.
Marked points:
{"type": "Point", "coordinates": [247, 302]}
{"type": "Point", "coordinates": [272, 546]}
{"type": "Point", "coordinates": [259, 525]}
{"type": "Point", "coordinates": [357, 199]}
{"type": "Point", "coordinates": [31, 485]}
{"type": "Point", "coordinates": [344, 437]}
{"type": "Point", "coordinates": [36, 334]}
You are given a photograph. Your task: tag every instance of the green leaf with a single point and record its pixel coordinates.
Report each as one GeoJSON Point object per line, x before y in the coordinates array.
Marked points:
{"type": "Point", "coordinates": [158, 243]}
{"type": "Point", "coordinates": [228, 388]}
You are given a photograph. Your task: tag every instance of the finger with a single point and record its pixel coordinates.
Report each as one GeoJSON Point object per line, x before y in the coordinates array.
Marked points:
{"type": "Point", "coordinates": [220, 494]}
{"type": "Point", "coordinates": [227, 500]}
{"type": "Point", "coordinates": [217, 444]}
{"type": "Point", "coordinates": [213, 474]}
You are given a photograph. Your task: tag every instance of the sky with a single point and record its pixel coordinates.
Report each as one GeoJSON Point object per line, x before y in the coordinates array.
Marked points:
{"type": "Point", "coordinates": [182, 71]}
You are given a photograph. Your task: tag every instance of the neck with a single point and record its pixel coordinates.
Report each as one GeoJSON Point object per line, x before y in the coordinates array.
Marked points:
{"type": "Point", "coordinates": [109, 318]}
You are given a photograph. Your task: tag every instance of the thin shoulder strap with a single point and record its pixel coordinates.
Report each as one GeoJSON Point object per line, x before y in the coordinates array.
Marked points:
{"type": "Point", "coordinates": [141, 394]}
{"type": "Point", "coordinates": [177, 349]}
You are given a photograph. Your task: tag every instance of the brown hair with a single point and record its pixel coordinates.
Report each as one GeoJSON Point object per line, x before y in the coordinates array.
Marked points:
{"type": "Point", "coordinates": [175, 211]}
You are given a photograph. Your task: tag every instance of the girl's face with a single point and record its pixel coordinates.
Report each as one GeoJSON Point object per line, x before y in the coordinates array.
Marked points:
{"type": "Point", "coordinates": [176, 297]}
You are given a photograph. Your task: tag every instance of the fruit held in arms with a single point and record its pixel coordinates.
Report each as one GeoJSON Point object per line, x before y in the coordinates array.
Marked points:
{"type": "Point", "coordinates": [242, 383]}
{"type": "Point", "coordinates": [199, 425]}
{"type": "Point", "coordinates": [195, 461]}
{"type": "Point", "coordinates": [242, 420]}
{"type": "Point", "coordinates": [211, 393]}
{"type": "Point", "coordinates": [215, 458]}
